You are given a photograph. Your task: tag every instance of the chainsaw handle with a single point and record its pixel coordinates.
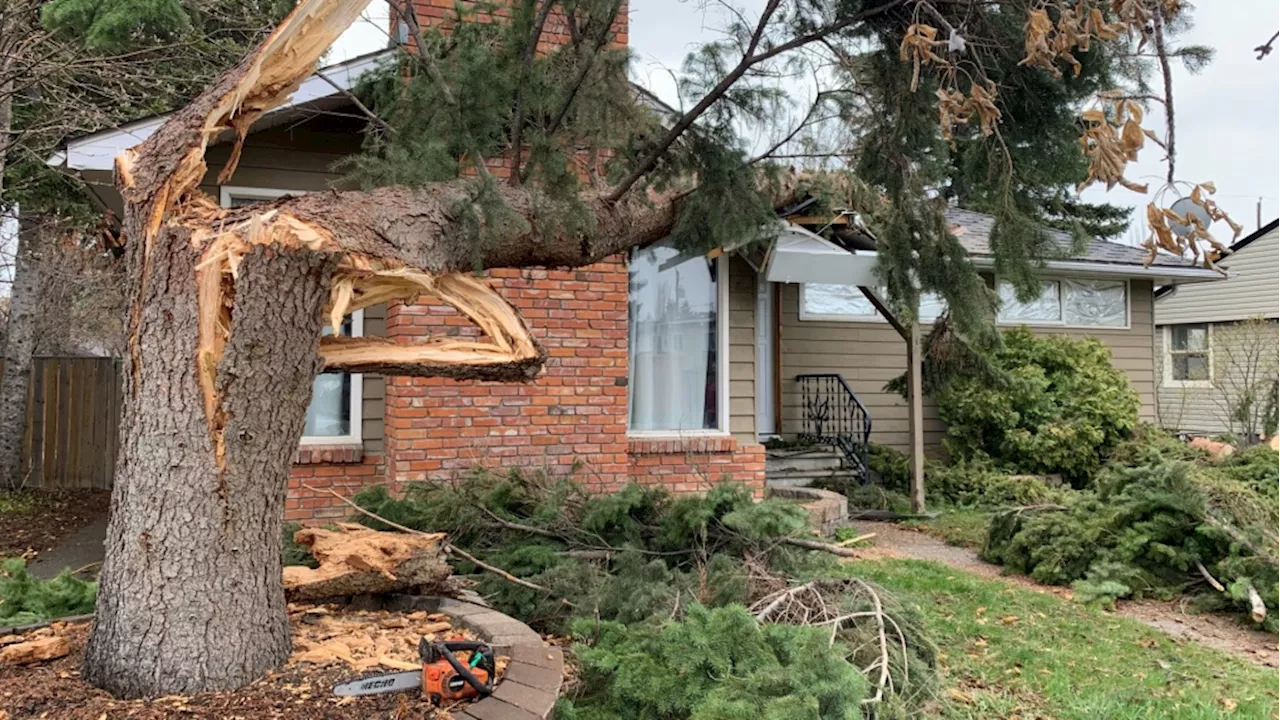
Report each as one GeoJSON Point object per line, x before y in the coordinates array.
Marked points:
{"type": "Point", "coordinates": [445, 651]}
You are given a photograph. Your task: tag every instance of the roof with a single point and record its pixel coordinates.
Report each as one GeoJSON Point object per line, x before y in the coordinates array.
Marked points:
{"type": "Point", "coordinates": [1245, 241]}
{"type": "Point", "coordinates": [973, 229]}
{"type": "Point", "coordinates": [98, 150]}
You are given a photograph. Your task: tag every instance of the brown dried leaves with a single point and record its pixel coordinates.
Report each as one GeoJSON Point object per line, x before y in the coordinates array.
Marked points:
{"type": "Point", "coordinates": [917, 48]}
{"type": "Point", "coordinates": [1162, 222]}
{"type": "Point", "coordinates": [1047, 42]}
{"type": "Point", "coordinates": [1112, 142]}
{"type": "Point", "coordinates": [956, 109]}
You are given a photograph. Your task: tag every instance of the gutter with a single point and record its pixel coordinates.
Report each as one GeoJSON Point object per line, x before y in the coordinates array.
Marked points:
{"type": "Point", "coordinates": [1174, 273]}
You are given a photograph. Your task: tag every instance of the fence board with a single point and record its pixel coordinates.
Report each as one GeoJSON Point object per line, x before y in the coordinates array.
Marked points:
{"type": "Point", "coordinates": [72, 425]}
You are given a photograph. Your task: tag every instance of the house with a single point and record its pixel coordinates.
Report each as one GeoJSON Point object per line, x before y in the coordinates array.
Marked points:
{"type": "Point", "coordinates": [663, 367]}
{"type": "Point", "coordinates": [1215, 344]}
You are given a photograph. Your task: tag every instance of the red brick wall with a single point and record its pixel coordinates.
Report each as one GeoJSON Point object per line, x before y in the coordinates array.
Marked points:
{"type": "Point", "coordinates": [347, 476]}
{"type": "Point", "coordinates": [575, 412]}
{"type": "Point", "coordinates": [689, 465]}
{"type": "Point", "coordinates": [440, 13]}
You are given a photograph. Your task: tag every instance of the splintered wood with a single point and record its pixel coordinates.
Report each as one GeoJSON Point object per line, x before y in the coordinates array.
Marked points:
{"type": "Point", "coordinates": [47, 643]}
{"type": "Point", "coordinates": [355, 560]}
{"type": "Point", "coordinates": [324, 635]}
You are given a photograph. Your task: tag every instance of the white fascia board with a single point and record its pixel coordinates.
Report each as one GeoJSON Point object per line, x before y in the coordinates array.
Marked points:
{"type": "Point", "coordinates": [1161, 274]}
{"type": "Point", "coordinates": [98, 151]}
{"type": "Point", "coordinates": [801, 256]}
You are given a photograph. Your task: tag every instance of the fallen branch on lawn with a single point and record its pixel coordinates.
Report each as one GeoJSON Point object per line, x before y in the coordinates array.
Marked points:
{"type": "Point", "coordinates": [1204, 572]}
{"type": "Point", "coordinates": [449, 547]}
{"type": "Point", "coordinates": [816, 545]}
{"type": "Point", "coordinates": [856, 540]}
{"type": "Point", "coordinates": [1258, 608]}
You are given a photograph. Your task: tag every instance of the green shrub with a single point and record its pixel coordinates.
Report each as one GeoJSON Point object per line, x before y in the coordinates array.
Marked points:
{"type": "Point", "coordinates": [1060, 408]}
{"type": "Point", "coordinates": [26, 599]}
{"type": "Point", "coordinates": [294, 554]}
{"type": "Point", "coordinates": [977, 483]}
{"type": "Point", "coordinates": [715, 664]}
{"type": "Point", "coordinates": [891, 466]}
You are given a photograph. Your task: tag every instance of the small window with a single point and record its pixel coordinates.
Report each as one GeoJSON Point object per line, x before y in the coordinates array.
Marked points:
{"type": "Point", "coordinates": [333, 417]}
{"type": "Point", "coordinates": [1044, 309]}
{"type": "Point", "coordinates": [846, 303]}
{"type": "Point", "coordinates": [1189, 353]}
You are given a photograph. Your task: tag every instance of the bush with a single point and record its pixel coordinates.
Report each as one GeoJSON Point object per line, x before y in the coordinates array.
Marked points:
{"type": "Point", "coordinates": [978, 483]}
{"type": "Point", "coordinates": [893, 468]}
{"type": "Point", "coordinates": [26, 599]}
{"type": "Point", "coordinates": [1059, 409]}
{"type": "Point", "coordinates": [716, 664]}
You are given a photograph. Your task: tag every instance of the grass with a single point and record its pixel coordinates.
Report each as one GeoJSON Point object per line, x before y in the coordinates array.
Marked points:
{"type": "Point", "coordinates": [1013, 652]}
{"type": "Point", "coordinates": [966, 527]}
{"type": "Point", "coordinates": [18, 501]}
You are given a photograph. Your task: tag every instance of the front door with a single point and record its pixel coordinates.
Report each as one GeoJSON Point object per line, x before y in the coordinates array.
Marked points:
{"type": "Point", "coordinates": [766, 359]}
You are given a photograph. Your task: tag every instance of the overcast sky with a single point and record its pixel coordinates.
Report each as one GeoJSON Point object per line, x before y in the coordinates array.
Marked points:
{"type": "Point", "coordinates": [1228, 117]}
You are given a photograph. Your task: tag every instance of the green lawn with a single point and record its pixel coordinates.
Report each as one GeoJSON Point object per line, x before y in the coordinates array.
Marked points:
{"type": "Point", "coordinates": [966, 527]}
{"type": "Point", "coordinates": [1012, 652]}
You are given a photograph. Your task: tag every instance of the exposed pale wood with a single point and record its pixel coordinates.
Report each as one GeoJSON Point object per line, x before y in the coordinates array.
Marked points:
{"type": "Point", "coordinates": [355, 560]}
{"type": "Point", "coordinates": [915, 384]}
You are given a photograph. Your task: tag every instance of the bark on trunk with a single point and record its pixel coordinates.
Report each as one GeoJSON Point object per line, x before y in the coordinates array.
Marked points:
{"type": "Point", "coordinates": [24, 302]}
{"type": "Point", "coordinates": [191, 598]}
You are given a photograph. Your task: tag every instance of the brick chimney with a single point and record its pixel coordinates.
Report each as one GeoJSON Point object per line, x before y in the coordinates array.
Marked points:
{"type": "Point", "coordinates": [440, 13]}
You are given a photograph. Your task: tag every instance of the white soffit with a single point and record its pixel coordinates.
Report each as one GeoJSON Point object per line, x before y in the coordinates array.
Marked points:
{"type": "Point", "coordinates": [800, 256]}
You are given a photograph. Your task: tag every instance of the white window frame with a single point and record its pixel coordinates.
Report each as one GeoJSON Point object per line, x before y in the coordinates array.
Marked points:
{"type": "Point", "coordinates": [722, 369]}
{"type": "Point", "coordinates": [355, 437]}
{"type": "Point", "coordinates": [1167, 379]}
{"type": "Point", "coordinates": [1062, 298]}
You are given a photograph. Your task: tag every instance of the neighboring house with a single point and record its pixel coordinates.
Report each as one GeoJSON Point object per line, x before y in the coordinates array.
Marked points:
{"type": "Point", "coordinates": [1217, 343]}
{"type": "Point", "coordinates": [662, 367]}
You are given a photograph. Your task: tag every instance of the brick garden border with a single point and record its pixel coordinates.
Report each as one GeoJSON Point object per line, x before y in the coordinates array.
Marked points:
{"type": "Point", "coordinates": [828, 511]}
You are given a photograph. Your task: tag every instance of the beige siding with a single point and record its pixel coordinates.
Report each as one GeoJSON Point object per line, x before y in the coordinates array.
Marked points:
{"type": "Point", "coordinates": [869, 354]}
{"type": "Point", "coordinates": [1204, 410]}
{"type": "Point", "coordinates": [742, 351]}
{"type": "Point", "coordinates": [1251, 292]}
{"type": "Point", "coordinates": [301, 158]}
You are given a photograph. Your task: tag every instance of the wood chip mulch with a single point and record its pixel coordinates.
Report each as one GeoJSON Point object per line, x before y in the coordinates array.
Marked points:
{"type": "Point", "coordinates": [45, 517]}
{"type": "Point", "coordinates": [331, 645]}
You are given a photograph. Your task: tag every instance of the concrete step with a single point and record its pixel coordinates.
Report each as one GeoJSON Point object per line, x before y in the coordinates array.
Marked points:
{"type": "Point", "coordinates": [804, 478]}
{"type": "Point", "coordinates": [819, 458]}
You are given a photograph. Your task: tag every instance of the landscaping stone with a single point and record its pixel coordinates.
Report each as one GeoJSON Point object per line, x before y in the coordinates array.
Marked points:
{"type": "Point", "coordinates": [827, 510]}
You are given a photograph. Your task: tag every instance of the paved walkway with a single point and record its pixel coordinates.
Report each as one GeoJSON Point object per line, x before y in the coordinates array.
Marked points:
{"type": "Point", "coordinates": [1215, 630]}
{"type": "Point", "coordinates": [83, 548]}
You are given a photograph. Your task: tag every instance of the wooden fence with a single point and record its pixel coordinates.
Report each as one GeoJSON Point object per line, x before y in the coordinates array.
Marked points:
{"type": "Point", "coordinates": [73, 420]}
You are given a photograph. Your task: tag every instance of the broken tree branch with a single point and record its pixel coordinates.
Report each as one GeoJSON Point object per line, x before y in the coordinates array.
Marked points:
{"type": "Point", "coordinates": [816, 545]}
{"type": "Point", "coordinates": [1204, 572]}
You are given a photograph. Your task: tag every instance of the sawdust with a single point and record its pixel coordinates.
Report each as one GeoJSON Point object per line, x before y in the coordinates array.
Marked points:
{"type": "Point", "coordinates": [332, 644]}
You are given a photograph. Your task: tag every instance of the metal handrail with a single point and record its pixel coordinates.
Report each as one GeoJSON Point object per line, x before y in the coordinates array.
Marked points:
{"type": "Point", "coordinates": [832, 414]}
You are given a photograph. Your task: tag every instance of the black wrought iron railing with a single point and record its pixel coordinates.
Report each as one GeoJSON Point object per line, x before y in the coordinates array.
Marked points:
{"type": "Point", "coordinates": [832, 414]}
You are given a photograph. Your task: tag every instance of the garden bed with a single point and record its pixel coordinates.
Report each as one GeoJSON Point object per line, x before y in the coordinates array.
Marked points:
{"type": "Point", "coordinates": [32, 521]}
{"type": "Point", "coordinates": [333, 643]}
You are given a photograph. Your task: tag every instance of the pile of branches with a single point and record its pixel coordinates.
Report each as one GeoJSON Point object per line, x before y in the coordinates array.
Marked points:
{"type": "Point", "coordinates": [27, 599]}
{"type": "Point", "coordinates": [643, 559]}
{"type": "Point", "coordinates": [1173, 525]}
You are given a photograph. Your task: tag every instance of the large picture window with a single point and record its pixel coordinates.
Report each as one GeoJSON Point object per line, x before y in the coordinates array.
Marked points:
{"type": "Point", "coordinates": [675, 307]}
{"type": "Point", "coordinates": [1068, 302]}
{"type": "Point", "coordinates": [334, 413]}
{"type": "Point", "coordinates": [846, 303]}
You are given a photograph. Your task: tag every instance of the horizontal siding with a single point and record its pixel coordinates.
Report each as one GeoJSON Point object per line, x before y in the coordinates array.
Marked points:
{"type": "Point", "coordinates": [1251, 291]}
{"type": "Point", "coordinates": [373, 408]}
{"type": "Point", "coordinates": [1205, 410]}
{"type": "Point", "coordinates": [869, 354]}
{"type": "Point", "coordinates": [742, 351]}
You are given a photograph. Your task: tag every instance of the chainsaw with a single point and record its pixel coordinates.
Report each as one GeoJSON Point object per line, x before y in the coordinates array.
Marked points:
{"type": "Point", "coordinates": [443, 676]}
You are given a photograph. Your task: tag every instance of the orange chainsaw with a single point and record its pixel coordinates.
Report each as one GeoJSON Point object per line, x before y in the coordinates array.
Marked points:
{"type": "Point", "coordinates": [443, 677]}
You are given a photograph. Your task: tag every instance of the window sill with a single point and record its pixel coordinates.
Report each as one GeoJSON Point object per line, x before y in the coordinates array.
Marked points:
{"type": "Point", "coordinates": [681, 444]}
{"type": "Point", "coordinates": [1181, 384]}
{"type": "Point", "coordinates": [333, 453]}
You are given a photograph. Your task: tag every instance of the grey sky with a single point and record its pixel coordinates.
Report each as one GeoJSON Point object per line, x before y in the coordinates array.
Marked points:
{"type": "Point", "coordinates": [1228, 117]}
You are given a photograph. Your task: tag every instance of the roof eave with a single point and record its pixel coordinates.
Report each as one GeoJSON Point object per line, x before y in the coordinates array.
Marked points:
{"type": "Point", "coordinates": [1164, 274]}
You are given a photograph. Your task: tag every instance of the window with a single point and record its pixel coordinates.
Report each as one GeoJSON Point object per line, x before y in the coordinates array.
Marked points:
{"type": "Point", "coordinates": [846, 303]}
{"type": "Point", "coordinates": [1068, 302]}
{"type": "Point", "coordinates": [1189, 354]}
{"type": "Point", "coordinates": [333, 417]}
{"type": "Point", "coordinates": [677, 342]}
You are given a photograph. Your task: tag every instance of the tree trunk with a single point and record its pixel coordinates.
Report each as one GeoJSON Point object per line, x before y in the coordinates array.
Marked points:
{"type": "Point", "coordinates": [191, 598]}
{"type": "Point", "coordinates": [24, 302]}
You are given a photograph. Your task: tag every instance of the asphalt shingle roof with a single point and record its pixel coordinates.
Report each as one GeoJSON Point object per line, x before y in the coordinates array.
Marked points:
{"type": "Point", "coordinates": [973, 229]}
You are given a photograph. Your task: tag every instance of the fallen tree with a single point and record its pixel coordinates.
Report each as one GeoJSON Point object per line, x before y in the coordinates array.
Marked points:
{"type": "Point", "coordinates": [226, 306]}
{"type": "Point", "coordinates": [354, 560]}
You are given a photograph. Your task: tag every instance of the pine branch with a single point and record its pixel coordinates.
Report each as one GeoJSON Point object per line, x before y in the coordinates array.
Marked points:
{"type": "Point", "coordinates": [526, 66]}
{"type": "Point", "coordinates": [750, 59]}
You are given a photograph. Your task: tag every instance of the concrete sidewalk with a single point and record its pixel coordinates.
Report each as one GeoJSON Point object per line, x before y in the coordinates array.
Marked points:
{"type": "Point", "coordinates": [74, 552]}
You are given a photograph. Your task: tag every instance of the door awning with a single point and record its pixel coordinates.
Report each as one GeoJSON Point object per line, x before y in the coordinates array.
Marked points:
{"type": "Point", "coordinates": [801, 256]}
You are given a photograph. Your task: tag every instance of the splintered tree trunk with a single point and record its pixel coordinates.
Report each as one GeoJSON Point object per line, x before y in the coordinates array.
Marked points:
{"type": "Point", "coordinates": [191, 597]}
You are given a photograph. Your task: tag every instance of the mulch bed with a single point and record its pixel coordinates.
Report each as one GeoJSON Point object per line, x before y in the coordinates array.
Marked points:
{"type": "Point", "coordinates": [35, 520]}
{"type": "Point", "coordinates": [331, 645]}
